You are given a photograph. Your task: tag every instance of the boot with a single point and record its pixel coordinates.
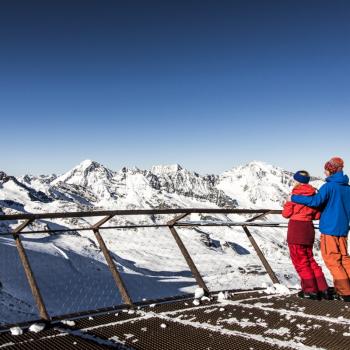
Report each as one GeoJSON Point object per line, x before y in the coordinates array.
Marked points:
{"type": "Point", "coordinates": [308, 295]}
{"type": "Point", "coordinates": [327, 294]}
{"type": "Point", "coordinates": [340, 297]}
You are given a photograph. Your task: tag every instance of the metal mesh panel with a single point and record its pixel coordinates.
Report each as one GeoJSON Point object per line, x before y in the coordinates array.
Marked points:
{"type": "Point", "coordinates": [73, 276]}
{"type": "Point", "coordinates": [71, 273]}
{"type": "Point", "coordinates": [16, 301]}
{"type": "Point", "coordinates": [224, 257]}
{"type": "Point", "coordinates": [150, 262]}
{"type": "Point", "coordinates": [272, 242]}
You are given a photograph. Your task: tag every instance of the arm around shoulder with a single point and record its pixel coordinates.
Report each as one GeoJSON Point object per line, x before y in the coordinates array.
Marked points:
{"type": "Point", "coordinates": [313, 201]}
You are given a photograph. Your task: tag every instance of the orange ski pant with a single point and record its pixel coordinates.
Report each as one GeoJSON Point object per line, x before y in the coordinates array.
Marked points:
{"type": "Point", "coordinates": [335, 255]}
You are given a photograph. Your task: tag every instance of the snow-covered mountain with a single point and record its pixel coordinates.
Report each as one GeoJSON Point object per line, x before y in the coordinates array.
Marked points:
{"type": "Point", "coordinates": [148, 259]}
{"type": "Point", "coordinates": [90, 184]}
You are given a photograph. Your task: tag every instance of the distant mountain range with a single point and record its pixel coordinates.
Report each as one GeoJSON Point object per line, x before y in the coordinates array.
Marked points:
{"type": "Point", "coordinates": [90, 185]}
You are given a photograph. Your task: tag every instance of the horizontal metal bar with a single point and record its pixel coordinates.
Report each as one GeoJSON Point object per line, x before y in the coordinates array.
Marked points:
{"type": "Point", "coordinates": [231, 223]}
{"type": "Point", "coordinates": [59, 231]}
{"type": "Point", "coordinates": [89, 229]}
{"type": "Point", "coordinates": [236, 224]}
{"type": "Point", "coordinates": [133, 212]}
{"type": "Point", "coordinates": [183, 224]}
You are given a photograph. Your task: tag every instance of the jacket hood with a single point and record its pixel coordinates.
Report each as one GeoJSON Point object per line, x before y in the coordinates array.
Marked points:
{"type": "Point", "coordinates": [304, 189]}
{"type": "Point", "coordinates": [339, 178]}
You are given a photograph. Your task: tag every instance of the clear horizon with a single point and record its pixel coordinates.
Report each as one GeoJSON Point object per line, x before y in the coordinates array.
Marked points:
{"type": "Point", "coordinates": [64, 171]}
{"type": "Point", "coordinates": [205, 84]}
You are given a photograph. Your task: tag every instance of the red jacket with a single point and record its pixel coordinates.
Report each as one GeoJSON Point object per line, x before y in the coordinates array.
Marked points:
{"type": "Point", "coordinates": [301, 212]}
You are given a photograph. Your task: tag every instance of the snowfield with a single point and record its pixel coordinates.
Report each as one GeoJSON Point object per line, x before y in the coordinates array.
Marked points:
{"type": "Point", "coordinates": [70, 268]}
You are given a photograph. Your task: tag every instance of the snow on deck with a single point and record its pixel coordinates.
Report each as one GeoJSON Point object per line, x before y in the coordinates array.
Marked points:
{"type": "Point", "coordinates": [247, 320]}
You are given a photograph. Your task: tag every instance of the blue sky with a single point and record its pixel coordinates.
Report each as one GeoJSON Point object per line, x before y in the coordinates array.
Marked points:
{"type": "Point", "coordinates": [207, 84]}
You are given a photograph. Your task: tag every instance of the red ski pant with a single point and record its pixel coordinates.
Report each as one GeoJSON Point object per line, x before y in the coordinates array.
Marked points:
{"type": "Point", "coordinates": [310, 273]}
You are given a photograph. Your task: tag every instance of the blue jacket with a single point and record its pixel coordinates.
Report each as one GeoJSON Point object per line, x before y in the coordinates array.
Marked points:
{"type": "Point", "coordinates": [333, 199]}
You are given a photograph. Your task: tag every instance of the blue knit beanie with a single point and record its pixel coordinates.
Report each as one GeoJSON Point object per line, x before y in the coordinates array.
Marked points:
{"type": "Point", "coordinates": [302, 176]}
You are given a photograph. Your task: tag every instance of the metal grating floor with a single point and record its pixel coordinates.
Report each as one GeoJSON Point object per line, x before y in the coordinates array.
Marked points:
{"type": "Point", "coordinates": [249, 320]}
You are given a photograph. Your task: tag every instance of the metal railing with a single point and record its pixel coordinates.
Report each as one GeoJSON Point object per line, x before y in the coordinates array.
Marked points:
{"type": "Point", "coordinates": [173, 225]}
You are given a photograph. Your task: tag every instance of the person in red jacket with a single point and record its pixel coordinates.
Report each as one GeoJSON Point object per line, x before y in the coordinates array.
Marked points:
{"type": "Point", "coordinates": [300, 239]}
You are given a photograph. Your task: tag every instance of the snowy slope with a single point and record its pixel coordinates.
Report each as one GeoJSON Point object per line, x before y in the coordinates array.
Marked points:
{"type": "Point", "coordinates": [256, 184]}
{"type": "Point", "coordinates": [70, 268]}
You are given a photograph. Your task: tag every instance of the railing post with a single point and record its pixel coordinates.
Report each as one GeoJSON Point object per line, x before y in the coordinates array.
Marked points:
{"type": "Point", "coordinates": [115, 273]}
{"type": "Point", "coordinates": [259, 216]}
{"type": "Point", "coordinates": [261, 256]}
{"type": "Point", "coordinates": [187, 255]}
{"type": "Point", "coordinates": [29, 272]}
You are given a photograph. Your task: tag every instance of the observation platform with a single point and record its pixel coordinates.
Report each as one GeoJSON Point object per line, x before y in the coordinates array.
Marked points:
{"type": "Point", "coordinates": [250, 320]}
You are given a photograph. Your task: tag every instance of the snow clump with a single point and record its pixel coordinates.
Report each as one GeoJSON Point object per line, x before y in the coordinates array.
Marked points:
{"type": "Point", "coordinates": [222, 296]}
{"type": "Point", "coordinates": [37, 327]}
{"type": "Point", "coordinates": [199, 292]}
{"type": "Point", "coordinates": [277, 288]}
{"type": "Point", "coordinates": [16, 331]}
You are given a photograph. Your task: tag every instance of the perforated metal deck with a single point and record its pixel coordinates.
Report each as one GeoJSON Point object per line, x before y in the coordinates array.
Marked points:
{"type": "Point", "coordinates": [249, 320]}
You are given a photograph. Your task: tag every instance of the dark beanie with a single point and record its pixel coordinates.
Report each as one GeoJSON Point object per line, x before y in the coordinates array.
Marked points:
{"type": "Point", "coordinates": [301, 177]}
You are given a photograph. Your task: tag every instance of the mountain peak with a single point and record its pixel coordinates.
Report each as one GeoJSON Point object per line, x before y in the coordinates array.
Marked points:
{"type": "Point", "coordinates": [84, 171]}
{"type": "Point", "coordinates": [162, 169]}
{"type": "Point", "coordinates": [258, 164]}
{"type": "Point", "coordinates": [87, 163]}
{"type": "Point", "coordinates": [3, 176]}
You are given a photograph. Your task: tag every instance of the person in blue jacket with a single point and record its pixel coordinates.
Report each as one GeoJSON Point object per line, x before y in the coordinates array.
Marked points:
{"type": "Point", "coordinates": [334, 200]}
